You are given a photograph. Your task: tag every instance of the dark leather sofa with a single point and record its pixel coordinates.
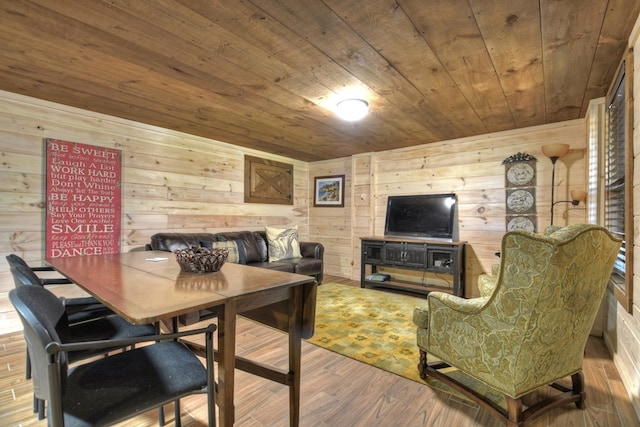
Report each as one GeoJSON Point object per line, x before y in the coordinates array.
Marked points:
{"type": "Point", "coordinates": [256, 253]}
{"type": "Point", "coordinates": [255, 249]}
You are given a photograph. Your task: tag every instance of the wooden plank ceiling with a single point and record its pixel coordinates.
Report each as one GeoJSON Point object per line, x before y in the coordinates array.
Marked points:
{"type": "Point", "coordinates": [265, 74]}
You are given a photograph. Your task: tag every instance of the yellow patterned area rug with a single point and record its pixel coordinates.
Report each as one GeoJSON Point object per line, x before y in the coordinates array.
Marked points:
{"type": "Point", "coordinates": [376, 327]}
{"type": "Point", "coordinates": [372, 326]}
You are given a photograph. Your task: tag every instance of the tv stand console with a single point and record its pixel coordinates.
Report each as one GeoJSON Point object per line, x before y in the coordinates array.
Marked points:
{"type": "Point", "coordinates": [440, 257]}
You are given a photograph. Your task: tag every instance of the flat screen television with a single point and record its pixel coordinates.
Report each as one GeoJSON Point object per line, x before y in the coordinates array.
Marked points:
{"type": "Point", "coordinates": [428, 216]}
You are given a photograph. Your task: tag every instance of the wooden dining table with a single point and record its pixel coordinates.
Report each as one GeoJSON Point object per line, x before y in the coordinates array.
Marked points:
{"type": "Point", "coordinates": [148, 287]}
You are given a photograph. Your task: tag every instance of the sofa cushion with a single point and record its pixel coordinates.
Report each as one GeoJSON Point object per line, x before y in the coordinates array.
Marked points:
{"type": "Point", "coordinates": [306, 266]}
{"type": "Point", "coordinates": [235, 248]}
{"type": "Point", "coordinates": [169, 242]}
{"type": "Point", "coordinates": [261, 242]}
{"type": "Point", "coordinates": [252, 250]}
{"type": "Point", "coordinates": [283, 243]}
{"type": "Point", "coordinates": [285, 266]}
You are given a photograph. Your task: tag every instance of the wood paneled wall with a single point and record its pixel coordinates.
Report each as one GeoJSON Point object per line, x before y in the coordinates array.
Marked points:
{"type": "Point", "coordinates": [177, 182]}
{"type": "Point", "coordinates": [472, 168]}
{"type": "Point", "coordinates": [171, 181]}
{"type": "Point", "coordinates": [622, 330]}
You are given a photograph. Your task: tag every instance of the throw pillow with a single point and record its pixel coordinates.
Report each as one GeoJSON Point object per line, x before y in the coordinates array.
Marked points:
{"type": "Point", "coordinates": [235, 247]}
{"type": "Point", "coordinates": [283, 243]}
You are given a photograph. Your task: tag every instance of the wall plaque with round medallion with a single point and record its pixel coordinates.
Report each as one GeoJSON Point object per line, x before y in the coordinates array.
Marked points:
{"type": "Point", "coordinates": [521, 201]}
{"type": "Point", "coordinates": [520, 189]}
{"type": "Point", "coordinates": [520, 174]}
{"type": "Point", "coordinates": [521, 223]}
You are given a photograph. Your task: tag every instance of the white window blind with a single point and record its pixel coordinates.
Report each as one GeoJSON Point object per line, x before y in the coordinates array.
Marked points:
{"type": "Point", "coordinates": [615, 174]}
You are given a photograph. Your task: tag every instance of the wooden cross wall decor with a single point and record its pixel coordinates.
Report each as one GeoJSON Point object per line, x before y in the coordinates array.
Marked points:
{"type": "Point", "coordinates": [267, 181]}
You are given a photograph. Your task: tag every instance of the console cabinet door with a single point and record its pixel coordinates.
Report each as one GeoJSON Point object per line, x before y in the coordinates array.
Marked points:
{"type": "Point", "coordinates": [394, 253]}
{"type": "Point", "coordinates": [415, 255]}
{"type": "Point", "coordinates": [372, 252]}
{"type": "Point", "coordinates": [442, 259]}
{"type": "Point", "coordinates": [405, 254]}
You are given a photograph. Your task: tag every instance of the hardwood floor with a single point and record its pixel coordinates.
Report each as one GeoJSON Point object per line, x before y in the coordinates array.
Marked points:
{"type": "Point", "coordinates": [337, 391]}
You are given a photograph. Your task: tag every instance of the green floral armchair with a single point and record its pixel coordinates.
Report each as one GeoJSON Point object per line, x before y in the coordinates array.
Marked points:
{"type": "Point", "coordinates": [530, 326]}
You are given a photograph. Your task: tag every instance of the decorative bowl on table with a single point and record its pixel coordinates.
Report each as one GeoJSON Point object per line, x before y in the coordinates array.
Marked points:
{"type": "Point", "coordinates": [201, 260]}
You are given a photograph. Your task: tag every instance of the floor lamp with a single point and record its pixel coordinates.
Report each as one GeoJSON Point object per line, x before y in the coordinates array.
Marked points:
{"type": "Point", "coordinates": [554, 152]}
{"type": "Point", "coordinates": [577, 196]}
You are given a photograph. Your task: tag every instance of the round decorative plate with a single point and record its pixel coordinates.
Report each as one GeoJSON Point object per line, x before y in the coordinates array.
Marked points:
{"type": "Point", "coordinates": [521, 223]}
{"type": "Point", "coordinates": [520, 174]}
{"type": "Point", "coordinates": [520, 201]}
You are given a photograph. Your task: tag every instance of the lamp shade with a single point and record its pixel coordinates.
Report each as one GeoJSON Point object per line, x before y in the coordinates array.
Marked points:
{"type": "Point", "coordinates": [555, 150]}
{"type": "Point", "coordinates": [352, 109]}
{"type": "Point", "coordinates": [578, 196]}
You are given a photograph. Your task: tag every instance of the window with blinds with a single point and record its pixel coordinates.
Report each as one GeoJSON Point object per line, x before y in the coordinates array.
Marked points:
{"type": "Point", "coordinates": [595, 162]}
{"type": "Point", "coordinates": [618, 184]}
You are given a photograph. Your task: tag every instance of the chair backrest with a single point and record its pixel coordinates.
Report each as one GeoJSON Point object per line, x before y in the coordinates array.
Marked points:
{"type": "Point", "coordinates": [547, 296]}
{"type": "Point", "coordinates": [42, 316]}
{"type": "Point", "coordinates": [15, 260]}
{"type": "Point", "coordinates": [23, 275]}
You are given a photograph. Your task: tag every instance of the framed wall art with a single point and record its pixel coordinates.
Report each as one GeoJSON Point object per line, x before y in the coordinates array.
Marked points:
{"type": "Point", "coordinates": [329, 191]}
{"type": "Point", "coordinates": [83, 199]}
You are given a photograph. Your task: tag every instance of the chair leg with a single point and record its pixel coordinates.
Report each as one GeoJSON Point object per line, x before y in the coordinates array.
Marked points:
{"type": "Point", "coordinates": [514, 411]}
{"type": "Point", "coordinates": [161, 416]}
{"type": "Point", "coordinates": [422, 364]}
{"type": "Point", "coordinates": [577, 381]}
{"type": "Point", "coordinates": [41, 407]}
{"type": "Point", "coordinates": [178, 421]}
{"type": "Point", "coordinates": [28, 366]}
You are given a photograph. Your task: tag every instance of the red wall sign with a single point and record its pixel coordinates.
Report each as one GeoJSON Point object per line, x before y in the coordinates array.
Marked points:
{"type": "Point", "coordinates": [84, 197]}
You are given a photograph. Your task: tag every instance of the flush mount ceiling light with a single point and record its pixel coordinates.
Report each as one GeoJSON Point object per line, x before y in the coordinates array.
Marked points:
{"type": "Point", "coordinates": [352, 109]}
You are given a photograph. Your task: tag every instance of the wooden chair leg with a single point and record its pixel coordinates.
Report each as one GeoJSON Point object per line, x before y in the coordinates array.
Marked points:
{"type": "Point", "coordinates": [422, 364]}
{"type": "Point", "coordinates": [577, 381]}
{"type": "Point", "coordinates": [514, 411]}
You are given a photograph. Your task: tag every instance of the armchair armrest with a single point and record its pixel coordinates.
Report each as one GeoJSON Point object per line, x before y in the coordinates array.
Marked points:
{"type": "Point", "coordinates": [461, 305]}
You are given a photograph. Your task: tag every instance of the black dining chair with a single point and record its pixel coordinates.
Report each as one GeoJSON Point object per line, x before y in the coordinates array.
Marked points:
{"type": "Point", "coordinates": [113, 388]}
{"type": "Point", "coordinates": [96, 322]}
{"type": "Point", "coordinates": [79, 309]}
{"type": "Point", "coordinates": [15, 260]}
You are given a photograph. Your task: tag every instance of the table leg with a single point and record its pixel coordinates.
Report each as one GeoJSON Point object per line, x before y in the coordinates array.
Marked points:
{"type": "Point", "coordinates": [226, 363]}
{"type": "Point", "coordinates": [295, 353]}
